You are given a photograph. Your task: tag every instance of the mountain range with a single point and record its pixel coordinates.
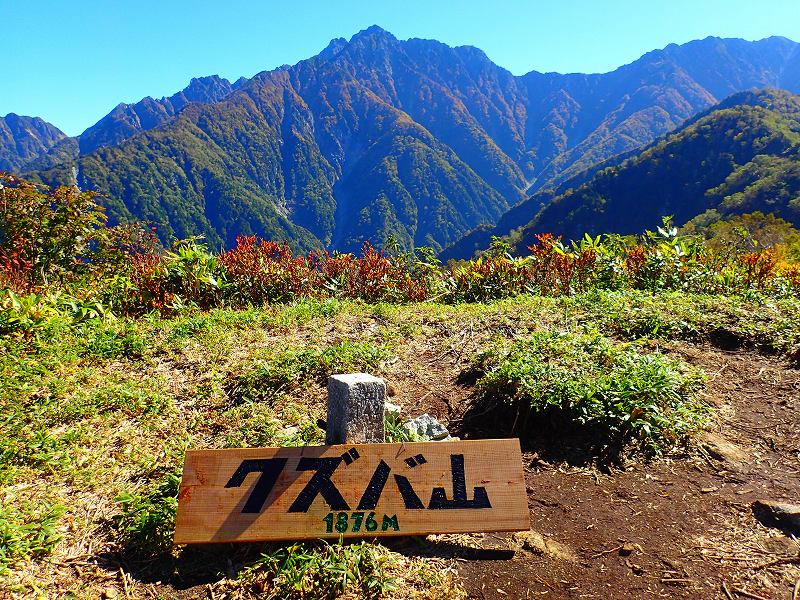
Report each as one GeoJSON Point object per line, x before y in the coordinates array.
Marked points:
{"type": "Point", "coordinates": [23, 139]}
{"type": "Point", "coordinates": [377, 137]}
{"type": "Point", "coordinates": [741, 156]}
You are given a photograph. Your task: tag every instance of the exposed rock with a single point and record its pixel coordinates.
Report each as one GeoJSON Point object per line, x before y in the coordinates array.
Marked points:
{"type": "Point", "coordinates": [290, 431]}
{"type": "Point", "coordinates": [391, 409]}
{"type": "Point", "coordinates": [626, 549]}
{"type": "Point", "coordinates": [535, 542]}
{"type": "Point", "coordinates": [778, 514]}
{"type": "Point", "coordinates": [427, 427]}
{"type": "Point", "coordinates": [721, 449]}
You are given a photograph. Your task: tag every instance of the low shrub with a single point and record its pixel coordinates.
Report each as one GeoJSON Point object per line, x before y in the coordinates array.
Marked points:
{"type": "Point", "coordinates": [187, 276]}
{"type": "Point", "coordinates": [57, 238]}
{"type": "Point", "coordinates": [24, 314]}
{"type": "Point", "coordinates": [261, 272]}
{"type": "Point", "coordinates": [619, 393]}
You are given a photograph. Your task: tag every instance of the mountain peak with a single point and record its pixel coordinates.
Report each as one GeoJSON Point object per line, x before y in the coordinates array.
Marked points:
{"type": "Point", "coordinates": [207, 80]}
{"type": "Point", "coordinates": [333, 48]}
{"type": "Point", "coordinates": [14, 117]}
{"type": "Point", "coordinates": [770, 98]}
{"type": "Point", "coordinates": [688, 173]}
{"type": "Point", "coordinates": [206, 89]}
{"type": "Point", "coordinates": [373, 32]}
{"type": "Point", "coordinates": [126, 120]}
{"type": "Point", "coordinates": [24, 138]}
{"type": "Point", "coordinates": [421, 140]}
{"type": "Point", "coordinates": [472, 53]}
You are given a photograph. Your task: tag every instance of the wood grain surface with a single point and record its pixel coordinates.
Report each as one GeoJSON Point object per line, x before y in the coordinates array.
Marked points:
{"type": "Point", "coordinates": [365, 490]}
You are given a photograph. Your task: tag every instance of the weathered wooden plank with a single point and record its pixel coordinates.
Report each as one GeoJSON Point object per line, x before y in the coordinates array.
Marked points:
{"type": "Point", "coordinates": [364, 490]}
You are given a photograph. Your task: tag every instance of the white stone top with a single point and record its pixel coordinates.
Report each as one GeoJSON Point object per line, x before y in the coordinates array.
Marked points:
{"type": "Point", "coordinates": [355, 378]}
{"type": "Point", "coordinates": [355, 409]}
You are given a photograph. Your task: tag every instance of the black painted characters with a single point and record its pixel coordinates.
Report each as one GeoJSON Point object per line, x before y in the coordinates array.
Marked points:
{"type": "Point", "coordinates": [321, 484]}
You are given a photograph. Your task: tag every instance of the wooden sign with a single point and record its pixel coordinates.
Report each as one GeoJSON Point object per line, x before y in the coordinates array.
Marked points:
{"type": "Point", "coordinates": [365, 490]}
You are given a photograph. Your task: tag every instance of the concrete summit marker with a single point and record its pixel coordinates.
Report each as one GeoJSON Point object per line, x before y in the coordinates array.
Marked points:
{"type": "Point", "coordinates": [351, 490]}
{"type": "Point", "coordinates": [356, 402]}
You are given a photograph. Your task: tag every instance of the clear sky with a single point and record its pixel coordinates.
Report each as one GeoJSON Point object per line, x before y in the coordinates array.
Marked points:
{"type": "Point", "coordinates": [70, 62]}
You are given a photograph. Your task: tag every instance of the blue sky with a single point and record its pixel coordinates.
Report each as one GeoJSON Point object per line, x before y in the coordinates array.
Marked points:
{"type": "Point", "coordinates": [71, 62]}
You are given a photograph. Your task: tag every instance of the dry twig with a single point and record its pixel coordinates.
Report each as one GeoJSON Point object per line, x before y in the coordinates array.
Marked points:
{"type": "Point", "coordinates": [747, 594]}
{"type": "Point", "coordinates": [124, 582]}
{"type": "Point", "coordinates": [779, 561]}
{"type": "Point", "coordinates": [608, 551]}
{"type": "Point", "coordinates": [727, 591]}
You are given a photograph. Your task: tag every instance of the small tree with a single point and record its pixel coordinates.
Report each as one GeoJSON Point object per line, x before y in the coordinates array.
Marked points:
{"type": "Point", "coordinates": [753, 232]}
{"type": "Point", "coordinates": [45, 233]}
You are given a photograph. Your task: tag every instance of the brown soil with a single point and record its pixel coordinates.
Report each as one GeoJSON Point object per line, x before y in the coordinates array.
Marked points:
{"type": "Point", "coordinates": [670, 528]}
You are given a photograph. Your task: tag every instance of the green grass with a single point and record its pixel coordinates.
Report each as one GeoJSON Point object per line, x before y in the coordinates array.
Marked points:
{"type": "Point", "coordinates": [121, 339]}
{"type": "Point", "coordinates": [295, 367]}
{"type": "Point", "coordinates": [147, 520]}
{"type": "Point", "coordinates": [54, 398]}
{"type": "Point", "coordinates": [322, 570]}
{"type": "Point", "coordinates": [757, 322]}
{"type": "Point", "coordinates": [27, 529]}
{"type": "Point", "coordinates": [616, 390]}
{"type": "Point", "coordinates": [274, 317]}
{"type": "Point", "coordinates": [92, 410]}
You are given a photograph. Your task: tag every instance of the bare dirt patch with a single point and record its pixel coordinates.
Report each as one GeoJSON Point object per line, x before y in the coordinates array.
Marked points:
{"type": "Point", "coordinates": [679, 527]}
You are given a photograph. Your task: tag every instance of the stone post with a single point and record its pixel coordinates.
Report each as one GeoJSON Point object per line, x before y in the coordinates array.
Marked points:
{"type": "Point", "coordinates": [355, 409]}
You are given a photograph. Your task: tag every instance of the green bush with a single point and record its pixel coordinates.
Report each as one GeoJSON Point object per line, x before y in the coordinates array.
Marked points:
{"type": "Point", "coordinates": [46, 234]}
{"type": "Point", "coordinates": [188, 276]}
{"type": "Point", "coordinates": [27, 315]}
{"type": "Point", "coordinates": [614, 389]}
{"type": "Point", "coordinates": [24, 314]}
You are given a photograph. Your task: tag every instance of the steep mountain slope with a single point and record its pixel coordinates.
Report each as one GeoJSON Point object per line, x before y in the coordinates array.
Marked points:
{"type": "Point", "coordinates": [233, 159]}
{"type": "Point", "coordinates": [377, 137]}
{"type": "Point", "coordinates": [24, 138]}
{"type": "Point", "coordinates": [739, 157]}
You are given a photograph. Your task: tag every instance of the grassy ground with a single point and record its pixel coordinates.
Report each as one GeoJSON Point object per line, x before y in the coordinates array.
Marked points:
{"type": "Point", "coordinates": [96, 416]}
